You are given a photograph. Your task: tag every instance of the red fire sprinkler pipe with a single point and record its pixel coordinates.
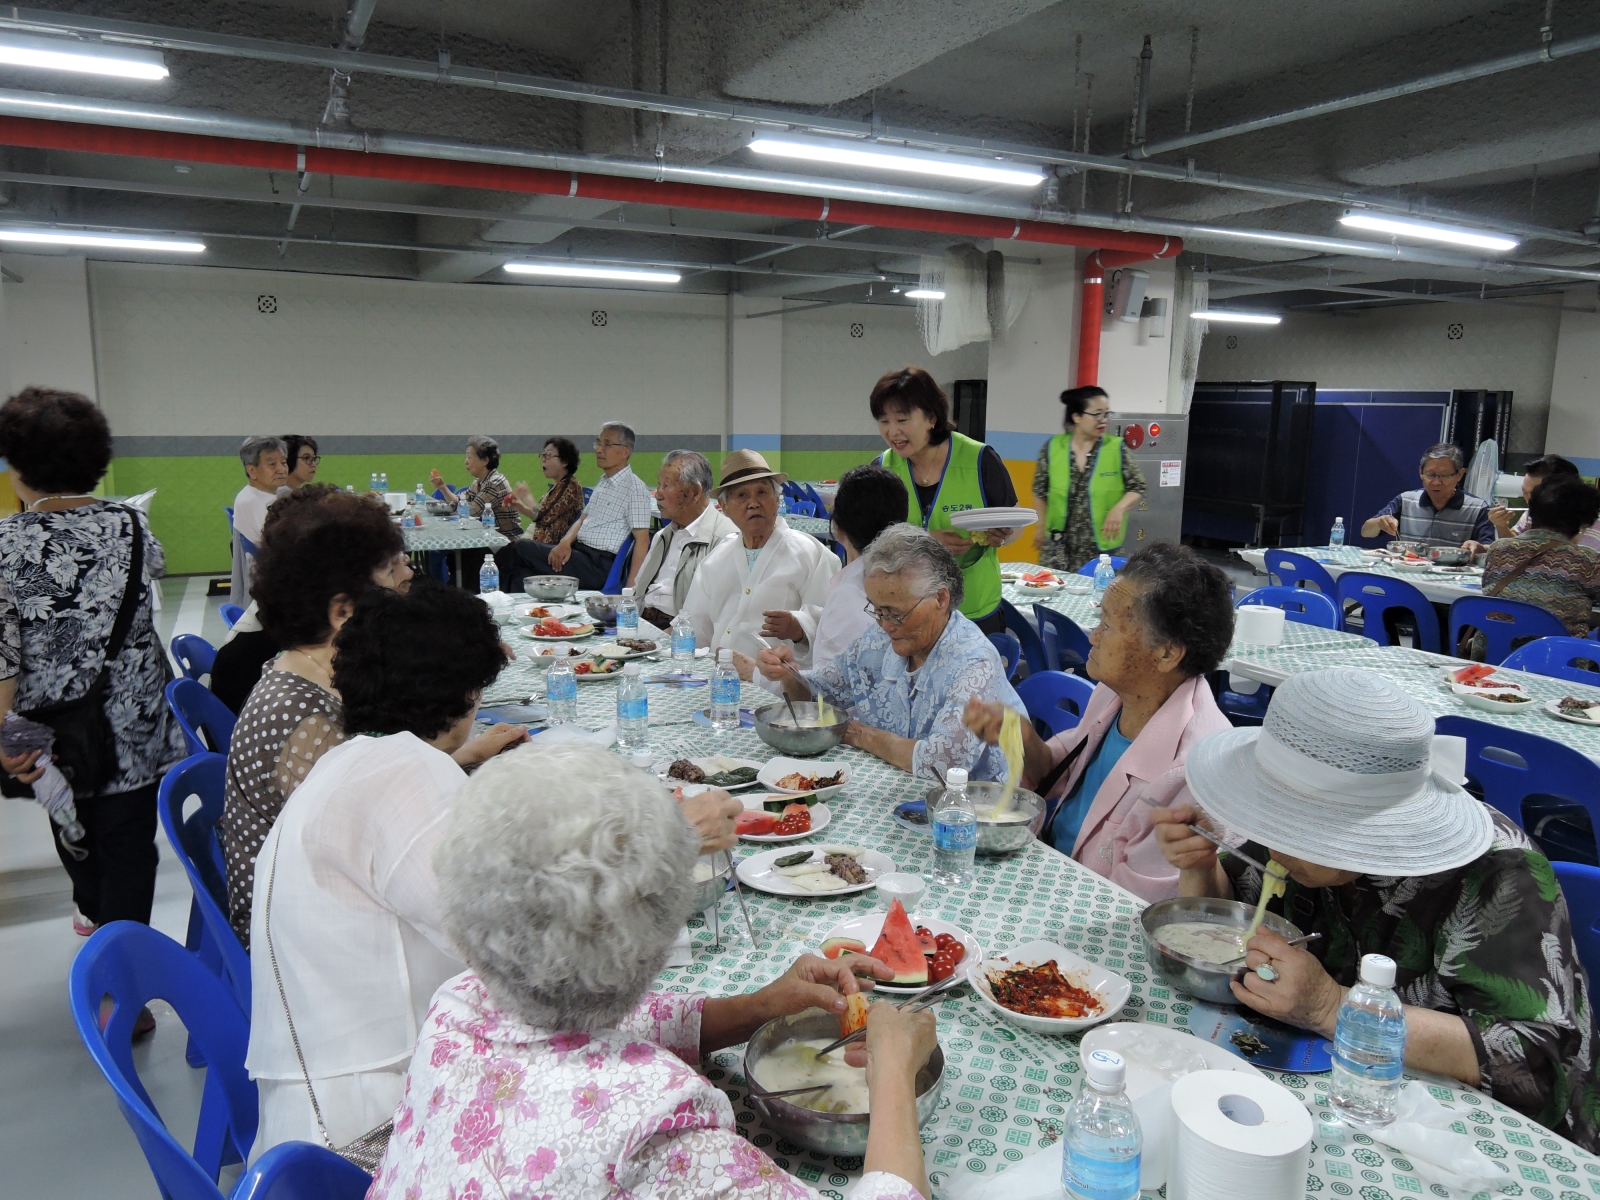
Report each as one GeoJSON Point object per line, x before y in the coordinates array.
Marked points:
{"type": "Point", "coordinates": [1095, 266]}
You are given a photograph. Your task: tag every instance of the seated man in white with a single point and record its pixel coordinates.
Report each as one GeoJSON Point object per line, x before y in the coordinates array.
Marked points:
{"type": "Point", "coordinates": [683, 493]}
{"type": "Point", "coordinates": [266, 471]}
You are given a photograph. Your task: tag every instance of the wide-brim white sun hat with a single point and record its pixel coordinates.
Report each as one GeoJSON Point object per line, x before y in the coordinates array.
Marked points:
{"type": "Point", "coordinates": [1340, 774]}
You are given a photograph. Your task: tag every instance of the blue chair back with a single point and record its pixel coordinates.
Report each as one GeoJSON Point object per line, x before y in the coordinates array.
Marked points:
{"type": "Point", "coordinates": [619, 568]}
{"type": "Point", "coordinates": [1557, 657]}
{"type": "Point", "coordinates": [1378, 595]}
{"type": "Point", "coordinates": [816, 499]}
{"type": "Point", "coordinates": [1297, 571]}
{"type": "Point", "coordinates": [1088, 568]}
{"type": "Point", "coordinates": [302, 1171]}
{"type": "Point", "coordinates": [245, 544]}
{"type": "Point", "coordinates": [1010, 651]}
{"type": "Point", "coordinates": [1066, 645]}
{"type": "Point", "coordinates": [1298, 604]}
{"type": "Point", "coordinates": [198, 711]}
{"type": "Point", "coordinates": [1056, 701]}
{"type": "Point", "coordinates": [1032, 647]}
{"type": "Point", "coordinates": [1581, 885]}
{"type": "Point", "coordinates": [194, 654]}
{"type": "Point", "coordinates": [229, 511]}
{"type": "Point", "coordinates": [802, 508]}
{"type": "Point", "coordinates": [839, 550]}
{"type": "Point", "coordinates": [134, 964]}
{"type": "Point", "coordinates": [1501, 622]}
{"type": "Point", "coordinates": [587, 492]}
{"type": "Point", "coordinates": [231, 614]}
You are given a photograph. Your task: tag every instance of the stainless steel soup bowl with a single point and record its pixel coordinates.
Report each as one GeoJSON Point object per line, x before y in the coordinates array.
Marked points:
{"type": "Point", "coordinates": [1202, 980]}
{"type": "Point", "coordinates": [998, 837]}
{"type": "Point", "coordinates": [776, 729]}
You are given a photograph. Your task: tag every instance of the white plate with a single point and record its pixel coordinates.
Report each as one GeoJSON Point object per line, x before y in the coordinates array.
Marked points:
{"type": "Point", "coordinates": [993, 518]}
{"type": "Point", "coordinates": [555, 650]}
{"type": "Point", "coordinates": [777, 768]}
{"type": "Point", "coordinates": [866, 930]}
{"type": "Point", "coordinates": [593, 677]}
{"type": "Point", "coordinates": [613, 650]}
{"type": "Point", "coordinates": [578, 631]}
{"type": "Point", "coordinates": [1036, 589]}
{"type": "Point", "coordinates": [1125, 1037]}
{"type": "Point", "coordinates": [712, 766]}
{"type": "Point", "coordinates": [552, 609]}
{"type": "Point", "coordinates": [1111, 989]}
{"type": "Point", "coordinates": [820, 817]}
{"type": "Point", "coordinates": [758, 873]}
{"type": "Point", "coordinates": [1411, 568]}
{"type": "Point", "coordinates": [1553, 707]}
{"type": "Point", "coordinates": [1499, 706]}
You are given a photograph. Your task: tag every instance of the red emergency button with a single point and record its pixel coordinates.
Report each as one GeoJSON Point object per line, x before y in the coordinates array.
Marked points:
{"type": "Point", "coordinates": [1155, 430]}
{"type": "Point", "coordinates": [1133, 437]}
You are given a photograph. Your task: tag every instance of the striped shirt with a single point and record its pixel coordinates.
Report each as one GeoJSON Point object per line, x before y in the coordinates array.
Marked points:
{"type": "Point", "coordinates": [620, 503]}
{"type": "Point", "coordinates": [1562, 578]}
{"type": "Point", "coordinates": [1464, 518]}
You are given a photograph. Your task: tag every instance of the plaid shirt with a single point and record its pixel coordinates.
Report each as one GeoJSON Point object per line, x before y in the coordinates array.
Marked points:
{"type": "Point", "coordinates": [619, 504]}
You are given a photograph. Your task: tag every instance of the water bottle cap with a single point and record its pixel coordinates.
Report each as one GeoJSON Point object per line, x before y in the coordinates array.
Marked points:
{"type": "Point", "coordinates": [725, 655]}
{"type": "Point", "coordinates": [955, 777]}
{"type": "Point", "coordinates": [631, 669]}
{"type": "Point", "coordinates": [1106, 1070]}
{"type": "Point", "coordinates": [643, 759]}
{"type": "Point", "coordinates": [628, 592]}
{"type": "Point", "coordinates": [1105, 558]}
{"type": "Point", "coordinates": [1377, 969]}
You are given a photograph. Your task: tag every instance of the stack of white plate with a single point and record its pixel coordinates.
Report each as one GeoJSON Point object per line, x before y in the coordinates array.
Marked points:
{"type": "Point", "coordinates": [994, 518]}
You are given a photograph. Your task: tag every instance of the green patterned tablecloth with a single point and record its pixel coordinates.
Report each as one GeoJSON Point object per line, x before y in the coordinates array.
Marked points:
{"type": "Point", "coordinates": [448, 533]}
{"type": "Point", "coordinates": [817, 527]}
{"type": "Point", "coordinates": [1438, 586]}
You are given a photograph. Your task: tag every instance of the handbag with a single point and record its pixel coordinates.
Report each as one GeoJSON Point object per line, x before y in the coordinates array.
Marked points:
{"type": "Point", "coordinates": [367, 1150]}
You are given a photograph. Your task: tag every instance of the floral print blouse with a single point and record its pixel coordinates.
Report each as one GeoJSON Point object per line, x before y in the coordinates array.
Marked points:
{"type": "Point", "coordinates": [496, 1108]}
{"type": "Point", "coordinates": [561, 506]}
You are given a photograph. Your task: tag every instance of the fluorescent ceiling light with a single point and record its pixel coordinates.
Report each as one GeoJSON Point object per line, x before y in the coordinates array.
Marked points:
{"type": "Point", "coordinates": [1449, 234]}
{"type": "Point", "coordinates": [579, 271]}
{"type": "Point", "coordinates": [99, 241]}
{"type": "Point", "coordinates": [924, 294]}
{"type": "Point", "coordinates": [894, 158]}
{"type": "Point", "coordinates": [1238, 318]}
{"type": "Point", "coordinates": [86, 58]}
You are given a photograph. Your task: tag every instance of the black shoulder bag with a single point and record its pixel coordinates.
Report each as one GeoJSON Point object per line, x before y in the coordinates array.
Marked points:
{"type": "Point", "coordinates": [86, 749]}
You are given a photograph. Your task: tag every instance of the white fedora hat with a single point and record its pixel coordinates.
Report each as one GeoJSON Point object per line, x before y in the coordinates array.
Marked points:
{"type": "Point", "coordinates": [1340, 774]}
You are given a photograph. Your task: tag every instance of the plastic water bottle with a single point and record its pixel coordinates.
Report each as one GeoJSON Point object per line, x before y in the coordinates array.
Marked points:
{"type": "Point", "coordinates": [1102, 1145]}
{"type": "Point", "coordinates": [488, 517]}
{"type": "Point", "coordinates": [682, 640]}
{"type": "Point", "coordinates": [419, 497]}
{"type": "Point", "coordinates": [955, 832]}
{"type": "Point", "coordinates": [1104, 573]}
{"type": "Point", "coordinates": [488, 576]}
{"type": "Point", "coordinates": [373, 485]}
{"type": "Point", "coordinates": [633, 710]}
{"type": "Point", "coordinates": [383, 481]}
{"type": "Point", "coordinates": [627, 615]}
{"type": "Point", "coordinates": [463, 509]}
{"type": "Point", "coordinates": [561, 691]}
{"type": "Point", "coordinates": [725, 692]}
{"type": "Point", "coordinates": [1336, 534]}
{"type": "Point", "coordinates": [1369, 1047]}
{"type": "Point", "coordinates": [783, 505]}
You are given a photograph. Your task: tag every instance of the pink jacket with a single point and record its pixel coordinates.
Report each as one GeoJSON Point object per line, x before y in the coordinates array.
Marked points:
{"type": "Point", "coordinates": [1115, 840]}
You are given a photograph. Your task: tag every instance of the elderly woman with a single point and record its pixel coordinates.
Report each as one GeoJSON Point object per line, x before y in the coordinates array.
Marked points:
{"type": "Point", "coordinates": [1164, 625]}
{"type": "Point", "coordinates": [906, 679]}
{"type": "Point", "coordinates": [770, 581]}
{"type": "Point", "coordinates": [1083, 485]}
{"type": "Point", "coordinates": [490, 492]}
{"type": "Point", "coordinates": [562, 503]}
{"type": "Point", "coordinates": [549, 1068]}
{"type": "Point", "coordinates": [1547, 564]}
{"type": "Point", "coordinates": [1386, 857]}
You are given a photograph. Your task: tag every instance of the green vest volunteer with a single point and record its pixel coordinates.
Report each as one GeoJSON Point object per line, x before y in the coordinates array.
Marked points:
{"type": "Point", "coordinates": [1105, 486]}
{"type": "Point", "coordinates": [960, 488]}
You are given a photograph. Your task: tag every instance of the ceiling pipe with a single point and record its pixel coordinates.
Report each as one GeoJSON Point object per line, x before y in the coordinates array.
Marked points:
{"type": "Point", "coordinates": [350, 62]}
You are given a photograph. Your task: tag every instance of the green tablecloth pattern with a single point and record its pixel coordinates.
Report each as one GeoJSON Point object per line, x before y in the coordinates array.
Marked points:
{"type": "Point", "coordinates": [448, 533]}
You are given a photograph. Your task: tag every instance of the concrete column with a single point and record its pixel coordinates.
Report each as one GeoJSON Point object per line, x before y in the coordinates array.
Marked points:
{"type": "Point", "coordinates": [755, 377]}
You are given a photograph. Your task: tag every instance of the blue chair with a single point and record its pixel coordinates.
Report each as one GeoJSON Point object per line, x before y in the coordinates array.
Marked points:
{"type": "Point", "coordinates": [1010, 651]}
{"type": "Point", "coordinates": [802, 508]}
{"type": "Point", "coordinates": [134, 964]}
{"type": "Point", "coordinates": [246, 544]}
{"type": "Point", "coordinates": [619, 568]}
{"type": "Point", "coordinates": [587, 492]}
{"type": "Point", "coordinates": [1056, 701]}
{"type": "Point", "coordinates": [1032, 647]}
{"type": "Point", "coordinates": [813, 496]}
{"type": "Point", "coordinates": [229, 511]}
{"type": "Point", "coordinates": [1088, 568]}
{"type": "Point", "coordinates": [1379, 595]}
{"type": "Point", "coordinates": [1066, 645]}
{"type": "Point", "coordinates": [194, 654]}
{"type": "Point", "coordinates": [1297, 571]}
{"type": "Point", "coordinates": [1557, 657]}
{"type": "Point", "coordinates": [1299, 604]}
{"type": "Point", "coordinates": [302, 1171]}
{"type": "Point", "coordinates": [839, 550]}
{"type": "Point", "coordinates": [231, 614]}
{"type": "Point", "coordinates": [1502, 623]}
{"type": "Point", "coordinates": [1581, 885]}
{"type": "Point", "coordinates": [198, 711]}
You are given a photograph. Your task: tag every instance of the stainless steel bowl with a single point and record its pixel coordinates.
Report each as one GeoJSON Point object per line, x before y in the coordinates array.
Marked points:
{"type": "Point", "coordinates": [708, 893]}
{"type": "Point", "coordinates": [1398, 547]}
{"type": "Point", "coordinates": [828, 1133]}
{"type": "Point", "coordinates": [602, 608]}
{"type": "Point", "coordinates": [550, 587]}
{"type": "Point", "coordinates": [440, 508]}
{"type": "Point", "coordinates": [1448, 556]}
{"type": "Point", "coordinates": [999, 837]}
{"type": "Point", "coordinates": [776, 728]}
{"type": "Point", "coordinates": [1203, 981]}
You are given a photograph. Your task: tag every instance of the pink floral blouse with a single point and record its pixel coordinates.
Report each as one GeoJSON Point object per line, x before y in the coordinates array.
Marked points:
{"type": "Point", "coordinates": [495, 1108]}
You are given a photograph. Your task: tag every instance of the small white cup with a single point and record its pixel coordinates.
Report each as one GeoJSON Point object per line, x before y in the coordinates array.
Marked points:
{"type": "Point", "coordinates": [904, 886]}
{"type": "Point", "coordinates": [1259, 624]}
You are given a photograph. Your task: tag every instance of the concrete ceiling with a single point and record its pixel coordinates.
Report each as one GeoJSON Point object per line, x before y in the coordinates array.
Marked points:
{"type": "Point", "coordinates": [1522, 145]}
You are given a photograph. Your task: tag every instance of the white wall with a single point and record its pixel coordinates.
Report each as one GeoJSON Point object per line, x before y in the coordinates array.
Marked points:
{"type": "Point", "coordinates": [47, 334]}
{"type": "Point", "coordinates": [1037, 358]}
{"type": "Point", "coordinates": [1134, 365]}
{"type": "Point", "coordinates": [1574, 429]}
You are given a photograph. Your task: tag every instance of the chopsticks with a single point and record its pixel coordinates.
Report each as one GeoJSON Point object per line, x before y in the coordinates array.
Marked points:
{"type": "Point", "coordinates": [916, 1003]}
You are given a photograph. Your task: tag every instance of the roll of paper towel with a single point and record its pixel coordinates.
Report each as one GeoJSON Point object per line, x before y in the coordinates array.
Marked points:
{"type": "Point", "coordinates": [1259, 624]}
{"type": "Point", "coordinates": [1239, 1138]}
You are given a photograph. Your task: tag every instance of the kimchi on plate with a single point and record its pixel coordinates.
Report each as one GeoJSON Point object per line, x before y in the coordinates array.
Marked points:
{"type": "Point", "coordinates": [1042, 991]}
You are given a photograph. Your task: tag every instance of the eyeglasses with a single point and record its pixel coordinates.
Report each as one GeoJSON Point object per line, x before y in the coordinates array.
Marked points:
{"type": "Point", "coordinates": [1440, 478]}
{"type": "Point", "coordinates": [313, 459]}
{"type": "Point", "coordinates": [888, 618]}
{"type": "Point", "coordinates": [554, 454]}
{"type": "Point", "coordinates": [1095, 416]}
{"type": "Point", "coordinates": [599, 445]}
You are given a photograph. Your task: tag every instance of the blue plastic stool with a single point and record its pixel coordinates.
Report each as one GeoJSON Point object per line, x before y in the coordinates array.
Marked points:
{"type": "Point", "coordinates": [1056, 701]}
{"type": "Point", "coordinates": [619, 567]}
{"type": "Point", "coordinates": [1088, 568]}
{"type": "Point", "coordinates": [1556, 657]}
{"type": "Point", "coordinates": [1378, 595]}
{"type": "Point", "coordinates": [1299, 604]}
{"type": "Point", "coordinates": [231, 614]}
{"type": "Point", "coordinates": [1298, 571]}
{"type": "Point", "coordinates": [302, 1171]}
{"type": "Point", "coordinates": [1066, 645]}
{"type": "Point", "coordinates": [1581, 886]}
{"type": "Point", "coordinates": [199, 711]}
{"type": "Point", "coordinates": [1502, 622]}
{"type": "Point", "coordinates": [194, 654]}
{"type": "Point", "coordinates": [1032, 647]}
{"type": "Point", "coordinates": [1010, 651]}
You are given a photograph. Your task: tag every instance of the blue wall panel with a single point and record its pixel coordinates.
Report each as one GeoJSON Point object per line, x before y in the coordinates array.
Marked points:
{"type": "Point", "coordinates": [1364, 451]}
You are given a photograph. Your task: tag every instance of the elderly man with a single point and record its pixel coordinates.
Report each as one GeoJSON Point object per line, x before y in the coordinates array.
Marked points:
{"type": "Point", "coordinates": [770, 581]}
{"type": "Point", "coordinates": [1438, 513]}
{"type": "Point", "coordinates": [683, 493]}
{"type": "Point", "coordinates": [620, 504]}
{"type": "Point", "coordinates": [266, 471]}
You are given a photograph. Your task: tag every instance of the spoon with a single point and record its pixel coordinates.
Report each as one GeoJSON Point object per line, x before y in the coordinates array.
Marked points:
{"type": "Point", "coordinates": [790, 667]}
{"type": "Point", "coordinates": [1299, 941]}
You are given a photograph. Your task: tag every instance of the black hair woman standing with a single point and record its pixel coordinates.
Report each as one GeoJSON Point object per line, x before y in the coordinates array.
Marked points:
{"type": "Point", "coordinates": [1083, 485]}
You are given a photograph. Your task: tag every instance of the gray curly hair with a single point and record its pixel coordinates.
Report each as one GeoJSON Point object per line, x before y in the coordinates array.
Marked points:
{"type": "Point", "coordinates": [901, 548]}
{"type": "Point", "coordinates": [565, 875]}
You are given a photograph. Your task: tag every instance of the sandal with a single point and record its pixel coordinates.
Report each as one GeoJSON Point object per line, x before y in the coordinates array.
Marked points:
{"type": "Point", "coordinates": [81, 925]}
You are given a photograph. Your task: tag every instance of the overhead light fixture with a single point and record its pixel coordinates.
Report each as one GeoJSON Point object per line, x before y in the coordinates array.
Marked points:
{"type": "Point", "coordinates": [99, 241]}
{"type": "Point", "coordinates": [894, 158]}
{"type": "Point", "coordinates": [1237, 318]}
{"type": "Point", "coordinates": [1451, 235]}
{"type": "Point", "coordinates": [581, 271]}
{"type": "Point", "coordinates": [86, 58]}
{"type": "Point", "coordinates": [924, 294]}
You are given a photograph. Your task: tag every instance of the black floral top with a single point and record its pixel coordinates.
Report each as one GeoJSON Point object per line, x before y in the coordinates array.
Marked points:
{"type": "Point", "coordinates": [62, 576]}
{"type": "Point", "coordinates": [1491, 942]}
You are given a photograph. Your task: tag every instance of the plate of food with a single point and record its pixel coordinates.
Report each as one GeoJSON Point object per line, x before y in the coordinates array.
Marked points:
{"type": "Point", "coordinates": [547, 650]}
{"type": "Point", "coordinates": [1045, 988]}
{"type": "Point", "coordinates": [922, 950]}
{"type": "Point", "coordinates": [818, 871]}
{"type": "Point", "coordinates": [1575, 709]}
{"type": "Point", "coordinates": [798, 776]}
{"type": "Point", "coordinates": [558, 612]}
{"type": "Point", "coordinates": [1412, 564]}
{"type": "Point", "coordinates": [718, 771]}
{"type": "Point", "coordinates": [552, 630]}
{"type": "Point", "coordinates": [592, 670]}
{"type": "Point", "coordinates": [768, 818]}
{"type": "Point", "coordinates": [1504, 699]}
{"type": "Point", "coordinates": [1473, 675]}
{"type": "Point", "coordinates": [1040, 582]}
{"type": "Point", "coordinates": [624, 648]}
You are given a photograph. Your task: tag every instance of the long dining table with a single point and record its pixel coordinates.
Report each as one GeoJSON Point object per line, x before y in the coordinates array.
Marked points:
{"type": "Point", "coordinates": [1005, 1091]}
{"type": "Point", "coordinates": [1439, 584]}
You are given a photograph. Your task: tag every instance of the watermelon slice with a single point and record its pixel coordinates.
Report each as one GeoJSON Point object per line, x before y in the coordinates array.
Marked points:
{"type": "Point", "coordinates": [836, 946]}
{"type": "Point", "coordinates": [925, 936]}
{"type": "Point", "coordinates": [899, 949]}
{"type": "Point", "coordinates": [757, 823]}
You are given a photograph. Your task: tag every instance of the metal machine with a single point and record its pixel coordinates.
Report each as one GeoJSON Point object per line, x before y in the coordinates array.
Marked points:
{"type": "Point", "coordinates": [1159, 444]}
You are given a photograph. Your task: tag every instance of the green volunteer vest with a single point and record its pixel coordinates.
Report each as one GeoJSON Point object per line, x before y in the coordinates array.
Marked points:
{"type": "Point", "coordinates": [961, 488]}
{"type": "Point", "coordinates": [1105, 486]}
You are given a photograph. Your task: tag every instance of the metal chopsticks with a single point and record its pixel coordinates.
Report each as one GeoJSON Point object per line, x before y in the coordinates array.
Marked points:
{"type": "Point", "coordinates": [918, 1002]}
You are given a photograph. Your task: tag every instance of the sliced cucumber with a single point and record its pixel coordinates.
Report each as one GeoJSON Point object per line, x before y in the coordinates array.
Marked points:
{"type": "Point", "coordinates": [777, 804]}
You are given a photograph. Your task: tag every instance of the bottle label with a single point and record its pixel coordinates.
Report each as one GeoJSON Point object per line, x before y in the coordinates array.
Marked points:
{"type": "Point", "coordinates": [683, 643]}
{"type": "Point", "coordinates": [636, 709]}
{"type": "Point", "coordinates": [1095, 1178]}
{"type": "Point", "coordinates": [563, 689]}
{"type": "Point", "coordinates": [725, 691]}
{"type": "Point", "coordinates": [955, 836]}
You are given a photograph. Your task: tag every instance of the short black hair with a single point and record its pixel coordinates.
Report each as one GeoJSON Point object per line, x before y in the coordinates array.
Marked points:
{"type": "Point", "coordinates": [55, 441]}
{"type": "Point", "coordinates": [1077, 401]}
{"type": "Point", "coordinates": [913, 388]}
{"type": "Point", "coordinates": [1565, 504]}
{"type": "Point", "coordinates": [566, 452]}
{"type": "Point", "coordinates": [414, 661]}
{"type": "Point", "coordinates": [1183, 600]}
{"type": "Point", "coordinates": [292, 445]}
{"type": "Point", "coordinates": [317, 543]}
{"type": "Point", "coordinates": [869, 500]}
{"type": "Point", "coordinates": [1548, 466]}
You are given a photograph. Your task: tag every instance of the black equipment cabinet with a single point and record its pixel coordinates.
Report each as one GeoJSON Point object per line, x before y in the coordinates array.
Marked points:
{"type": "Point", "coordinates": [1249, 455]}
{"type": "Point", "coordinates": [1475, 415]}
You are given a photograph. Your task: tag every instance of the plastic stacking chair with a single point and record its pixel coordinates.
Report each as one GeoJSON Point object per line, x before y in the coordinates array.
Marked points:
{"type": "Point", "coordinates": [802, 508]}
{"type": "Point", "coordinates": [1581, 885]}
{"type": "Point", "coordinates": [302, 1171]}
{"type": "Point", "coordinates": [231, 614]}
{"type": "Point", "coordinates": [134, 964]}
{"type": "Point", "coordinates": [1379, 595]}
{"type": "Point", "coordinates": [815, 497]}
{"type": "Point", "coordinates": [1066, 645]}
{"type": "Point", "coordinates": [1088, 568]}
{"type": "Point", "coordinates": [1559, 658]}
{"type": "Point", "coordinates": [1056, 701]}
{"type": "Point", "coordinates": [1289, 569]}
{"type": "Point", "coordinates": [1032, 647]}
{"type": "Point", "coordinates": [198, 711]}
{"type": "Point", "coordinates": [839, 550]}
{"type": "Point", "coordinates": [1298, 604]}
{"type": "Point", "coordinates": [1010, 651]}
{"type": "Point", "coordinates": [229, 511]}
{"type": "Point", "coordinates": [194, 654]}
{"type": "Point", "coordinates": [246, 544]}
{"type": "Point", "coordinates": [619, 568]}
{"type": "Point", "coordinates": [1503, 623]}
